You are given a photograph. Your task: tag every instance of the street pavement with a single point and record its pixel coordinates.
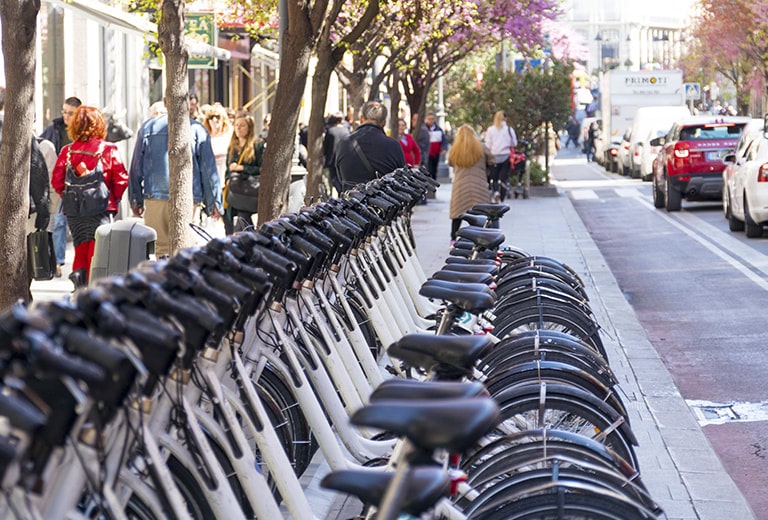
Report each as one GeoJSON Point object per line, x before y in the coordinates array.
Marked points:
{"type": "Point", "coordinates": [677, 463]}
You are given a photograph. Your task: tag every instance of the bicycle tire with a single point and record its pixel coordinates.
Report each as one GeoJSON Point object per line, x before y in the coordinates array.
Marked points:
{"type": "Point", "coordinates": [520, 304]}
{"type": "Point", "coordinates": [578, 507]}
{"type": "Point", "coordinates": [548, 319]}
{"type": "Point", "coordinates": [509, 357]}
{"type": "Point", "coordinates": [294, 431]}
{"type": "Point", "coordinates": [525, 279]}
{"type": "Point", "coordinates": [565, 408]}
{"type": "Point", "coordinates": [545, 441]}
{"type": "Point", "coordinates": [553, 372]}
{"type": "Point", "coordinates": [548, 262]}
{"type": "Point", "coordinates": [190, 490]}
{"type": "Point", "coordinates": [540, 342]}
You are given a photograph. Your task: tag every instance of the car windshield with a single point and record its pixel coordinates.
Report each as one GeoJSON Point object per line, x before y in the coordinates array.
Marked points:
{"type": "Point", "coordinates": [715, 131]}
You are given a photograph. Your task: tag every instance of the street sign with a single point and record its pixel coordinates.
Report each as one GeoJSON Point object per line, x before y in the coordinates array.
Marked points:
{"type": "Point", "coordinates": [692, 91]}
{"type": "Point", "coordinates": [201, 27]}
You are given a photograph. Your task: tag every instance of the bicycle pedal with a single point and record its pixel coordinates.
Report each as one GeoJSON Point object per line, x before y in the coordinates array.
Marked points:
{"type": "Point", "coordinates": [391, 370]}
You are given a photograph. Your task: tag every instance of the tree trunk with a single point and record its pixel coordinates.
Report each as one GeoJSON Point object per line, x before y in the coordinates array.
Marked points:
{"type": "Point", "coordinates": [170, 35]}
{"type": "Point", "coordinates": [19, 21]}
{"type": "Point", "coordinates": [294, 67]}
{"type": "Point", "coordinates": [394, 97]}
{"type": "Point", "coordinates": [321, 78]}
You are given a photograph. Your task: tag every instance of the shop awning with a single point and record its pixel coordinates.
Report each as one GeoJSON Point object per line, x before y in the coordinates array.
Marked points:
{"type": "Point", "coordinates": [134, 24]}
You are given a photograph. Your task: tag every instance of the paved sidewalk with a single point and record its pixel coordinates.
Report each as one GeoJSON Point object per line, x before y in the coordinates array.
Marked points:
{"type": "Point", "coordinates": [677, 463]}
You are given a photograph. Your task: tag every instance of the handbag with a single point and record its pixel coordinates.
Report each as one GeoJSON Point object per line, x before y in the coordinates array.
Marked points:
{"type": "Point", "coordinates": [41, 258]}
{"type": "Point", "coordinates": [85, 194]}
{"type": "Point", "coordinates": [242, 191]}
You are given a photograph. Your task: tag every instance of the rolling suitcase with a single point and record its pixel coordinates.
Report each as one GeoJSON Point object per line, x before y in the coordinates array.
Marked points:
{"type": "Point", "coordinates": [120, 246]}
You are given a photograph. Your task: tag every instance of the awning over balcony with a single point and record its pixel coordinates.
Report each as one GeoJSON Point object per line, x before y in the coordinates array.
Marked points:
{"type": "Point", "coordinates": [134, 24]}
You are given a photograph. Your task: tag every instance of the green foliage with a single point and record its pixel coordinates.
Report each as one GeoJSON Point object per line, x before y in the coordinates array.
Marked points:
{"type": "Point", "coordinates": [538, 175]}
{"type": "Point", "coordinates": [529, 98]}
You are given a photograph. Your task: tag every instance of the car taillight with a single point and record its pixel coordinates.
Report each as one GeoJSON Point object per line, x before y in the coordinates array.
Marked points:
{"type": "Point", "coordinates": [681, 150]}
{"type": "Point", "coordinates": [762, 173]}
{"type": "Point", "coordinates": [614, 151]}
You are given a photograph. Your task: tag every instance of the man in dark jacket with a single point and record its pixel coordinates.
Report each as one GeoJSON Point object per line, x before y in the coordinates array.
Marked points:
{"type": "Point", "coordinates": [367, 153]}
{"type": "Point", "coordinates": [334, 132]}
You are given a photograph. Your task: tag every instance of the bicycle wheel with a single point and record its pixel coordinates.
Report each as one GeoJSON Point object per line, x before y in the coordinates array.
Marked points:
{"type": "Point", "coordinates": [286, 416]}
{"type": "Point", "coordinates": [528, 407]}
{"type": "Point", "coordinates": [570, 506]}
{"type": "Point", "coordinates": [544, 343]}
{"type": "Point", "coordinates": [190, 490]}
{"type": "Point", "coordinates": [553, 372]}
{"type": "Point", "coordinates": [548, 319]}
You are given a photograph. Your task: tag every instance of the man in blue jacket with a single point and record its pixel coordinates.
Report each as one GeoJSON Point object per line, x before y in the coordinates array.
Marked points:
{"type": "Point", "coordinates": [149, 178]}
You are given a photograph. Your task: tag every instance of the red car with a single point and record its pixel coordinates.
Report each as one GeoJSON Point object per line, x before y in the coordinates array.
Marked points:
{"type": "Point", "coordinates": [690, 162]}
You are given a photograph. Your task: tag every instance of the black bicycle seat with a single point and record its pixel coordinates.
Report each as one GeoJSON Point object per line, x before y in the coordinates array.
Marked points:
{"type": "Point", "coordinates": [473, 298]}
{"type": "Point", "coordinates": [423, 488]}
{"type": "Point", "coordinates": [430, 424]}
{"type": "Point", "coordinates": [412, 389]}
{"type": "Point", "coordinates": [429, 352]}
{"type": "Point", "coordinates": [463, 277]}
{"type": "Point", "coordinates": [482, 237]}
{"type": "Point", "coordinates": [492, 210]}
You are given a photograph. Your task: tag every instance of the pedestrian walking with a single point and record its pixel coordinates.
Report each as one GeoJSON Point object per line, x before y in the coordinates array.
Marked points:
{"type": "Point", "coordinates": [244, 157]}
{"type": "Point", "coordinates": [368, 153]}
{"type": "Point", "coordinates": [438, 144]}
{"type": "Point", "coordinates": [150, 179]}
{"type": "Point", "coordinates": [501, 140]}
{"type": "Point", "coordinates": [410, 148]}
{"type": "Point", "coordinates": [56, 133]}
{"type": "Point", "coordinates": [89, 156]}
{"type": "Point", "coordinates": [335, 131]}
{"type": "Point", "coordinates": [470, 160]}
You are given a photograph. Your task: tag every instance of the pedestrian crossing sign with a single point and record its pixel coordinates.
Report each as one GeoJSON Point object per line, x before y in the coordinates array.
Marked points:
{"type": "Point", "coordinates": [692, 91]}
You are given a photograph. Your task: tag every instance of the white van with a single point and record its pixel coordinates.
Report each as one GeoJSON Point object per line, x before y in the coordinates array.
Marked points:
{"type": "Point", "coordinates": [649, 123]}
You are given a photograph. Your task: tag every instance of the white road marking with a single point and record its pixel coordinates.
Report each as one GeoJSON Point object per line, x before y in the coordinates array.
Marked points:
{"type": "Point", "coordinates": [628, 192]}
{"type": "Point", "coordinates": [707, 412]}
{"type": "Point", "coordinates": [583, 194]}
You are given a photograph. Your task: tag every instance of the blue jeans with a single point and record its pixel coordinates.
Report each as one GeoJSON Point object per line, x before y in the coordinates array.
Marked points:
{"type": "Point", "coordinates": [60, 236]}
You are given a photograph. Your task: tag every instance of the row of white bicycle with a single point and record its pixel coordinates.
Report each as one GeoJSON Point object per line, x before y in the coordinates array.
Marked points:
{"type": "Point", "coordinates": [202, 386]}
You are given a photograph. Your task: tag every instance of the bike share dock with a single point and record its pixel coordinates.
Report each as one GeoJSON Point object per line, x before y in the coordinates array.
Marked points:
{"type": "Point", "coordinates": [677, 463]}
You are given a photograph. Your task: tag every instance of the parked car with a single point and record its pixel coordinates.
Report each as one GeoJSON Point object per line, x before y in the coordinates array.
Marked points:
{"type": "Point", "coordinates": [649, 123]}
{"type": "Point", "coordinates": [690, 162]}
{"type": "Point", "coordinates": [623, 153]}
{"type": "Point", "coordinates": [745, 181]}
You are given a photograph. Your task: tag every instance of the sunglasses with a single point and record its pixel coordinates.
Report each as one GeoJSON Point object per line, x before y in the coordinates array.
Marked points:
{"type": "Point", "coordinates": [214, 117]}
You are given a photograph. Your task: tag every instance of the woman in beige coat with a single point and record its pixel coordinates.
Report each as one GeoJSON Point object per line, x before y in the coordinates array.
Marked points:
{"type": "Point", "coordinates": [470, 159]}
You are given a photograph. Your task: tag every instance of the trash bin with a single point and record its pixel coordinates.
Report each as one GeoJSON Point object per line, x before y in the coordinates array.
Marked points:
{"type": "Point", "coordinates": [121, 246]}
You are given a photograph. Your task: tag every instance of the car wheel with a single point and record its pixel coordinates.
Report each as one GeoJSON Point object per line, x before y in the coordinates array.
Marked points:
{"type": "Point", "coordinates": [726, 204]}
{"type": "Point", "coordinates": [734, 224]}
{"type": "Point", "coordinates": [658, 196]}
{"type": "Point", "coordinates": [674, 199]}
{"type": "Point", "coordinates": [752, 228]}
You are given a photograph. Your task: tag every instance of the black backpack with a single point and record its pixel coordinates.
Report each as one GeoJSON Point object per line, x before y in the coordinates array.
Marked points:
{"type": "Point", "coordinates": [84, 195]}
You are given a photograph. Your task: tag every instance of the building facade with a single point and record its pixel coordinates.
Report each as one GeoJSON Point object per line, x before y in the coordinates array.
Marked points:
{"type": "Point", "coordinates": [644, 35]}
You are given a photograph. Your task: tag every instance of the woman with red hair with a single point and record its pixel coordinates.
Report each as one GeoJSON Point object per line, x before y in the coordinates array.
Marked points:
{"type": "Point", "coordinates": [89, 155]}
